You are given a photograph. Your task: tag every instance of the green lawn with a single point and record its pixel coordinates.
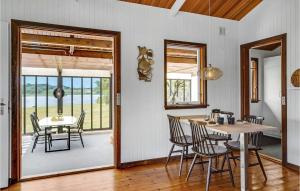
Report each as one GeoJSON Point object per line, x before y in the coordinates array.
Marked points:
{"type": "Point", "coordinates": [41, 111]}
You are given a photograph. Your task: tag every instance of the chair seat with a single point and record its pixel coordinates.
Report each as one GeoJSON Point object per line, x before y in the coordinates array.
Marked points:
{"type": "Point", "coordinates": [75, 130]}
{"type": "Point", "coordinates": [219, 150]}
{"type": "Point", "coordinates": [42, 132]}
{"type": "Point", "coordinates": [187, 138]}
{"type": "Point", "coordinates": [216, 137]}
{"type": "Point", "coordinates": [236, 145]}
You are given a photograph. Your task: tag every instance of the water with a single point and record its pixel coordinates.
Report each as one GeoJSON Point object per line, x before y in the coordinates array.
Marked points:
{"type": "Point", "coordinates": [52, 101]}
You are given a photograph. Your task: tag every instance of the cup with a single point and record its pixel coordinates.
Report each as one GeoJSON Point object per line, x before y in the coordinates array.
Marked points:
{"type": "Point", "coordinates": [231, 120]}
{"type": "Point", "coordinates": [221, 120]}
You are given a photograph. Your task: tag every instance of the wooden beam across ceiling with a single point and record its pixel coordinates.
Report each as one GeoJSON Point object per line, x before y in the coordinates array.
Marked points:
{"type": "Point", "coordinates": [76, 53]}
{"type": "Point", "coordinates": [66, 41]}
{"type": "Point", "coordinates": [229, 9]}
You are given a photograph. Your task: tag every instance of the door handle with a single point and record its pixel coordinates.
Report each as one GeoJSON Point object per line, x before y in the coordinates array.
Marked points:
{"type": "Point", "coordinates": [2, 104]}
{"type": "Point", "coordinates": [118, 99]}
{"type": "Point", "coordinates": [283, 100]}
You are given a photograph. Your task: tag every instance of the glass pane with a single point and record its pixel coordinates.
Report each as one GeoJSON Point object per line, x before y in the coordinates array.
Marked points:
{"type": "Point", "coordinates": [23, 108]}
{"type": "Point", "coordinates": [87, 102]}
{"type": "Point", "coordinates": [67, 100]}
{"type": "Point", "coordinates": [41, 97]}
{"type": "Point", "coordinates": [96, 103]}
{"type": "Point", "coordinates": [52, 101]}
{"type": "Point", "coordinates": [183, 79]}
{"type": "Point", "coordinates": [106, 91]}
{"type": "Point", "coordinates": [76, 97]}
{"type": "Point", "coordinates": [30, 101]}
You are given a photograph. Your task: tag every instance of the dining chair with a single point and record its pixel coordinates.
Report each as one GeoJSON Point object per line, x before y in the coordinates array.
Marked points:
{"type": "Point", "coordinates": [218, 137]}
{"type": "Point", "coordinates": [202, 147]}
{"type": "Point", "coordinates": [77, 130]}
{"type": "Point", "coordinates": [255, 143]}
{"type": "Point", "coordinates": [179, 139]}
{"type": "Point", "coordinates": [39, 135]}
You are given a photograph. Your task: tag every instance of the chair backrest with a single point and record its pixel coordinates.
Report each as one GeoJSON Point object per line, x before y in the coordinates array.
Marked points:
{"type": "Point", "coordinates": [255, 138]}
{"type": "Point", "coordinates": [200, 138]}
{"type": "Point", "coordinates": [176, 132]}
{"type": "Point", "coordinates": [81, 120]}
{"type": "Point", "coordinates": [35, 115]}
{"type": "Point", "coordinates": [35, 124]}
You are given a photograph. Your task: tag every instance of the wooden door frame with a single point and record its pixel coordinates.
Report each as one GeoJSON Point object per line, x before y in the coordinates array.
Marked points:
{"type": "Point", "coordinates": [16, 26]}
{"type": "Point", "coordinates": [245, 87]}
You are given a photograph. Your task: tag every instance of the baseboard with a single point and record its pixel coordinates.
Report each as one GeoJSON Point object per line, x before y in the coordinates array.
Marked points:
{"type": "Point", "coordinates": [66, 173]}
{"type": "Point", "coordinates": [149, 161]}
{"type": "Point", "coordinates": [290, 166]}
{"type": "Point", "coordinates": [293, 167]}
{"type": "Point", "coordinates": [269, 158]}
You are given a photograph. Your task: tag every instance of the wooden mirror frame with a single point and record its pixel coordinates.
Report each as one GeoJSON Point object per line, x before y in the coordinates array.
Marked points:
{"type": "Point", "coordinates": [202, 83]}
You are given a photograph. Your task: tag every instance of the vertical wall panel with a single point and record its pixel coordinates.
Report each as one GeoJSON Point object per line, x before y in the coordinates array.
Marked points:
{"type": "Point", "coordinates": [274, 17]}
{"type": "Point", "coordinates": [145, 131]}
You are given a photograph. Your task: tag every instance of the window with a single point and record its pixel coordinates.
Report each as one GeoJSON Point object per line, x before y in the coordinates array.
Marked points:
{"type": "Point", "coordinates": [91, 94]}
{"type": "Point", "coordinates": [184, 63]}
{"type": "Point", "coordinates": [254, 80]}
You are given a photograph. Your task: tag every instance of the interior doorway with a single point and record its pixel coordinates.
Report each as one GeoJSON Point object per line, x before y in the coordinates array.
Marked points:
{"type": "Point", "coordinates": [263, 91]}
{"type": "Point", "coordinates": [64, 83]}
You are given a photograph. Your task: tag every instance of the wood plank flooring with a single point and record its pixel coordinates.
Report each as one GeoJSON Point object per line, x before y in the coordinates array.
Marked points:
{"type": "Point", "coordinates": [157, 177]}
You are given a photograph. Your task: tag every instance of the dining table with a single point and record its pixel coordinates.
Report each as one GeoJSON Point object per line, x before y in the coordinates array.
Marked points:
{"type": "Point", "coordinates": [241, 128]}
{"type": "Point", "coordinates": [49, 123]}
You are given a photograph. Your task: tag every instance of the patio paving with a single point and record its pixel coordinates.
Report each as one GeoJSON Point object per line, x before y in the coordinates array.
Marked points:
{"type": "Point", "coordinates": [98, 151]}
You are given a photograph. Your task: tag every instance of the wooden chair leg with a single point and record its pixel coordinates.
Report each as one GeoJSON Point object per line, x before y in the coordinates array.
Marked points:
{"type": "Point", "coordinates": [181, 161]}
{"type": "Point", "coordinates": [208, 174]}
{"type": "Point", "coordinates": [186, 153]}
{"type": "Point", "coordinates": [169, 156]}
{"type": "Point", "coordinates": [201, 163]}
{"type": "Point", "coordinates": [261, 165]}
{"type": "Point", "coordinates": [34, 144]}
{"type": "Point", "coordinates": [223, 163]}
{"type": "Point", "coordinates": [230, 169]}
{"type": "Point", "coordinates": [232, 155]}
{"type": "Point", "coordinates": [191, 167]}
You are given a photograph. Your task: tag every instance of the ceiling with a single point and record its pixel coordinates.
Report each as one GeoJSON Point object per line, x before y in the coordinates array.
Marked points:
{"type": "Point", "coordinates": [181, 61]}
{"type": "Point", "coordinates": [47, 49]}
{"type": "Point", "coordinates": [228, 9]}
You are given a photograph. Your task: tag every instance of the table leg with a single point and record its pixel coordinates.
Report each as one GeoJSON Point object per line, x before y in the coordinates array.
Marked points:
{"type": "Point", "coordinates": [46, 140]}
{"type": "Point", "coordinates": [69, 138]}
{"type": "Point", "coordinates": [244, 160]}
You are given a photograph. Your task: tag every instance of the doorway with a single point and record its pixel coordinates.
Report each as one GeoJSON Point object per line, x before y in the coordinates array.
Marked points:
{"type": "Point", "coordinates": [83, 64]}
{"type": "Point", "coordinates": [263, 91]}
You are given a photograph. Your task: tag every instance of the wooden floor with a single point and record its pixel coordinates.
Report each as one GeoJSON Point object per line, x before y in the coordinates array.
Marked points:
{"type": "Point", "coordinates": [157, 177]}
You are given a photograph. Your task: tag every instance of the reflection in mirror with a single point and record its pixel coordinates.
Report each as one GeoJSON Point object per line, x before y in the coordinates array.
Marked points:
{"type": "Point", "coordinates": [184, 63]}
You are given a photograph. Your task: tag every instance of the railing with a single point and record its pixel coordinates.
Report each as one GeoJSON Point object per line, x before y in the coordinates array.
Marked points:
{"type": "Point", "coordinates": [91, 94]}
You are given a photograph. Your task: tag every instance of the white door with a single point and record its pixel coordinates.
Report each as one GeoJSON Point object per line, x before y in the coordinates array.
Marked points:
{"type": "Point", "coordinates": [4, 100]}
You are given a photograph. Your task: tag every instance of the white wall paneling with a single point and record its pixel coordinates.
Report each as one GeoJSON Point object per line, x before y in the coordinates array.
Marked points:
{"type": "Point", "coordinates": [145, 131]}
{"type": "Point", "coordinates": [144, 124]}
{"type": "Point", "coordinates": [274, 17]}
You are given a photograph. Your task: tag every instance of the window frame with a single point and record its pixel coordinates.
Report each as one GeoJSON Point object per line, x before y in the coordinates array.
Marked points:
{"type": "Point", "coordinates": [255, 98]}
{"type": "Point", "coordinates": [202, 83]}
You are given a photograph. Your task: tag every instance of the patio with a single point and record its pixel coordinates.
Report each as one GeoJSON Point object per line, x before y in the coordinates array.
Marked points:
{"type": "Point", "coordinates": [98, 151]}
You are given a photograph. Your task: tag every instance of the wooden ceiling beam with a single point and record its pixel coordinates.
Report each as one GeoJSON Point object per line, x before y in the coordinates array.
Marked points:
{"type": "Point", "coordinates": [181, 52]}
{"type": "Point", "coordinates": [182, 60]}
{"type": "Point", "coordinates": [65, 41]}
{"type": "Point", "coordinates": [77, 53]}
